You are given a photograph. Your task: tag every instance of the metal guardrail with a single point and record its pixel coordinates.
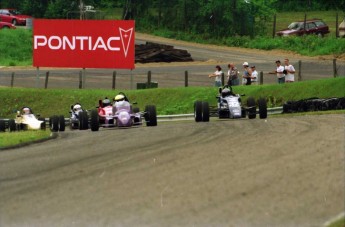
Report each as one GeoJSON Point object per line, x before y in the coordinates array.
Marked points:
{"type": "Point", "coordinates": [179, 117]}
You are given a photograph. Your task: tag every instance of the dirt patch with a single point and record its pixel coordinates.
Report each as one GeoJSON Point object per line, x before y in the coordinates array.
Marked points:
{"type": "Point", "coordinates": [277, 53]}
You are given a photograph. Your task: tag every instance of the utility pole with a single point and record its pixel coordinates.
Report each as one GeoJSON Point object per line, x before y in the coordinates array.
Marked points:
{"type": "Point", "coordinates": [81, 6]}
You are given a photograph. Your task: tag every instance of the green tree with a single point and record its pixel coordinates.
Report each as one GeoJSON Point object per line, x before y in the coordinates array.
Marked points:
{"type": "Point", "coordinates": [61, 8]}
{"type": "Point", "coordinates": [16, 4]}
{"type": "Point", "coordinates": [35, 8]}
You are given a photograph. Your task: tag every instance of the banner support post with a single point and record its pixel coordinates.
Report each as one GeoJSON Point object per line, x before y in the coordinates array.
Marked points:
{"type": "Point", "coordinates": [37, 76]}
{"type": "Point", "coordinates": [84, 78]}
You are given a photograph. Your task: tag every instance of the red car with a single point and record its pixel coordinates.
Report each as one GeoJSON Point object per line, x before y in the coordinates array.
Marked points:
{"type": "Point", "coordinates": [5, 25]}
{"type": "Point", "coordinates": [314, 26]}
{"type": "Point", "coordinates": [13, 16]}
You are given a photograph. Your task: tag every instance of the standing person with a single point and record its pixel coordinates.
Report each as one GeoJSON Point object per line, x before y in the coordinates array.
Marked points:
{"type": "Point", "coordinates": [247, 74]}
{"type": "Point", "coordinates": [279, 72]}
{"type": "Point", "coordinates": [254, 75]}
{"type": "Point", "coordinates": [233, 79]}
{"type": "Point", "coordinates": [290, 71]}
{"type": "Point", "coordinates": [218, 76]}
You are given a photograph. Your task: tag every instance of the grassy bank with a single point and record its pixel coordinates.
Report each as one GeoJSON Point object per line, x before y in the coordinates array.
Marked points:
{"type": "Point", "coordinates": [168, 100]}
{"type": "Point", "coordinates": [14, 138]}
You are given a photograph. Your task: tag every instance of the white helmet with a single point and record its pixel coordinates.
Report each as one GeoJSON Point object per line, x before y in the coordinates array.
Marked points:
{"type": "Point", "coordinates": [26, 110]}
{"type": "Point", "coordinates": [226, 92]}
{"type": "Point", "coordinates": [76, 107]}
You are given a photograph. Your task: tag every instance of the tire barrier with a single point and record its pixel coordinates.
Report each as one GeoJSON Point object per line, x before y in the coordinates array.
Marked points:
{"type": "Point", "coordinates": [314, 104]}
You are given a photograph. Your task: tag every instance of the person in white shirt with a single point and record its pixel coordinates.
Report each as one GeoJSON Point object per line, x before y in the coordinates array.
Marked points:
{"type": "Point", "coordinates": [280, 72]}
{"type": "Point", "coordinates": [254, 75]}
{"type": "Point", "coordinates": [218, 76]}
{"type": "Point", "coordinates": [290, 71]}
{"type": "Point", "coordinates": [247, 74]}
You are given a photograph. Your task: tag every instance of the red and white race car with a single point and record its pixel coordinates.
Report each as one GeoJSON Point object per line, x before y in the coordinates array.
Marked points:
{"type": "Point", "coordinates": [120, 113]}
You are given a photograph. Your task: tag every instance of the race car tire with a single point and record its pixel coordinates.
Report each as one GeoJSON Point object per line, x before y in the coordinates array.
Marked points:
{"type": "Point", "coordinates": [205, 112]}
{"type": "Point", "coordinates": [2, 126]}
{"type": "Point", "coordinates": [43, 124]}
{"type": "Point", "coordinates": [54, 123]}
{"type": "Point", "coordinates": [62, 124]}
{"type": "Point", "coordinates": [151, 115]}
{"type": "Point", "coordinates": [262, 108]}
{"type": "Point", "coordinates": [12, 125]}
{"type": "Point", "coordinates": [251, 108]}
{"type": "Point", "coordinates": [80, 121]}
{"type": "Point", "coordinates": [86, 121]}
{"type": "Point", "coordinates": [243, 113]}
{"type": "Point", "coordinates": [136, 110]}
{"type": "Point", "coordinates": [18, 127]}
{"type": "Point", "coordinates": [198, 111]}
{"type": "Point", "coordinates": [94, 121]}
{"type": "Point", "coordinates": [83, 121]}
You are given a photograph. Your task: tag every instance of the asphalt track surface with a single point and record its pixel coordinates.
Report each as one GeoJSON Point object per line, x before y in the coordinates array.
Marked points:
{"type": "Point", "coordinates": [283, 171]}
{"type": "Point", "coordinates": [173, 74]}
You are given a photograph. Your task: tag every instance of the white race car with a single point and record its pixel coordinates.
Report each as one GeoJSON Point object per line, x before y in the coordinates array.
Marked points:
{"type": "Point", "coordinates": [79, 118]}
{"type": "Point", "coordinates": [229, 105]}
{"type": "Point", "coordinates": [25, 119]}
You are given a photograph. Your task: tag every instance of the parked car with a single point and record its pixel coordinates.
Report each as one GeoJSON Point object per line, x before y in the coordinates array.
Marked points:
{"type": "Point", "coordinates": [5, 25]}
{"type": "Point", "coordinates": [13, 16]}
{"type": "Point", "coordinates": [312, 27]}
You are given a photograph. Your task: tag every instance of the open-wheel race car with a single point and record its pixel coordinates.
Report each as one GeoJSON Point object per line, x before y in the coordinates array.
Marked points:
{"type": "Point", "coordinates": [121, 113]}
{"type": "Point", "coordinates": [25, 119]}
{"type": "Point", "coordinates": [229, 105]}
{"type": "Point", "coordinates": [79, 118]}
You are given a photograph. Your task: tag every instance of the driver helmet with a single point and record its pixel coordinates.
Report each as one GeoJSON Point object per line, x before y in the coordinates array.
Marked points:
{"type": "Point", "coordinates": [77, 107]}
{"type": "Point", "coordinates": [26, 110]}
{"type": "Point", "coordinates": [106, 102]}
{"type": "Point", "coordinates": [119, 98]}
{"type": "Point", "coordinates": [226, 92]}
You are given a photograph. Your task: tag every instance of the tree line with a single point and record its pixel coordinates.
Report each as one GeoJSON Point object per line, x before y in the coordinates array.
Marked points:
{"type": "Point", "coordinates": [216, 18]}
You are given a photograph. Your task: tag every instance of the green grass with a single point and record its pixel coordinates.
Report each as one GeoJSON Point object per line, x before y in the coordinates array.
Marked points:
{"type": "Point", "coordinates": [48, 102]}
{"type": "Point", "coordinates": [338, 223]}
{"type": "Point", "coordinates": [13, 138]}
{"type": "Point", "coordinates": [15, 47]}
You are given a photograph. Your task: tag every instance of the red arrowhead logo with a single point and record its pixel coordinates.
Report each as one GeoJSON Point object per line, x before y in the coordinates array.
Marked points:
{"type": "Point", "coordinates": [126, 37]}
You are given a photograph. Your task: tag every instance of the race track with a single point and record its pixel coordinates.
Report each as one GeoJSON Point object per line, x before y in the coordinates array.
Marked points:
{"type": "Point", "coordinates": [286, 171]}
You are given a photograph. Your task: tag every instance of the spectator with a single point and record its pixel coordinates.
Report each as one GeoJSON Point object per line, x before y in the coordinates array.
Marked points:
{"type": "Point", "coordinates": [233, 79]}
{"type": "Point", "coordinates": [290, 71]}
{"type": "Point", "coordinates": [218, 76]}
{"type": "Point", "coordinates": [254, 75]}
{"type": "Point", "coordinates": [247, 74]}
{"type": "Point", "coordinates": [279, 72]}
